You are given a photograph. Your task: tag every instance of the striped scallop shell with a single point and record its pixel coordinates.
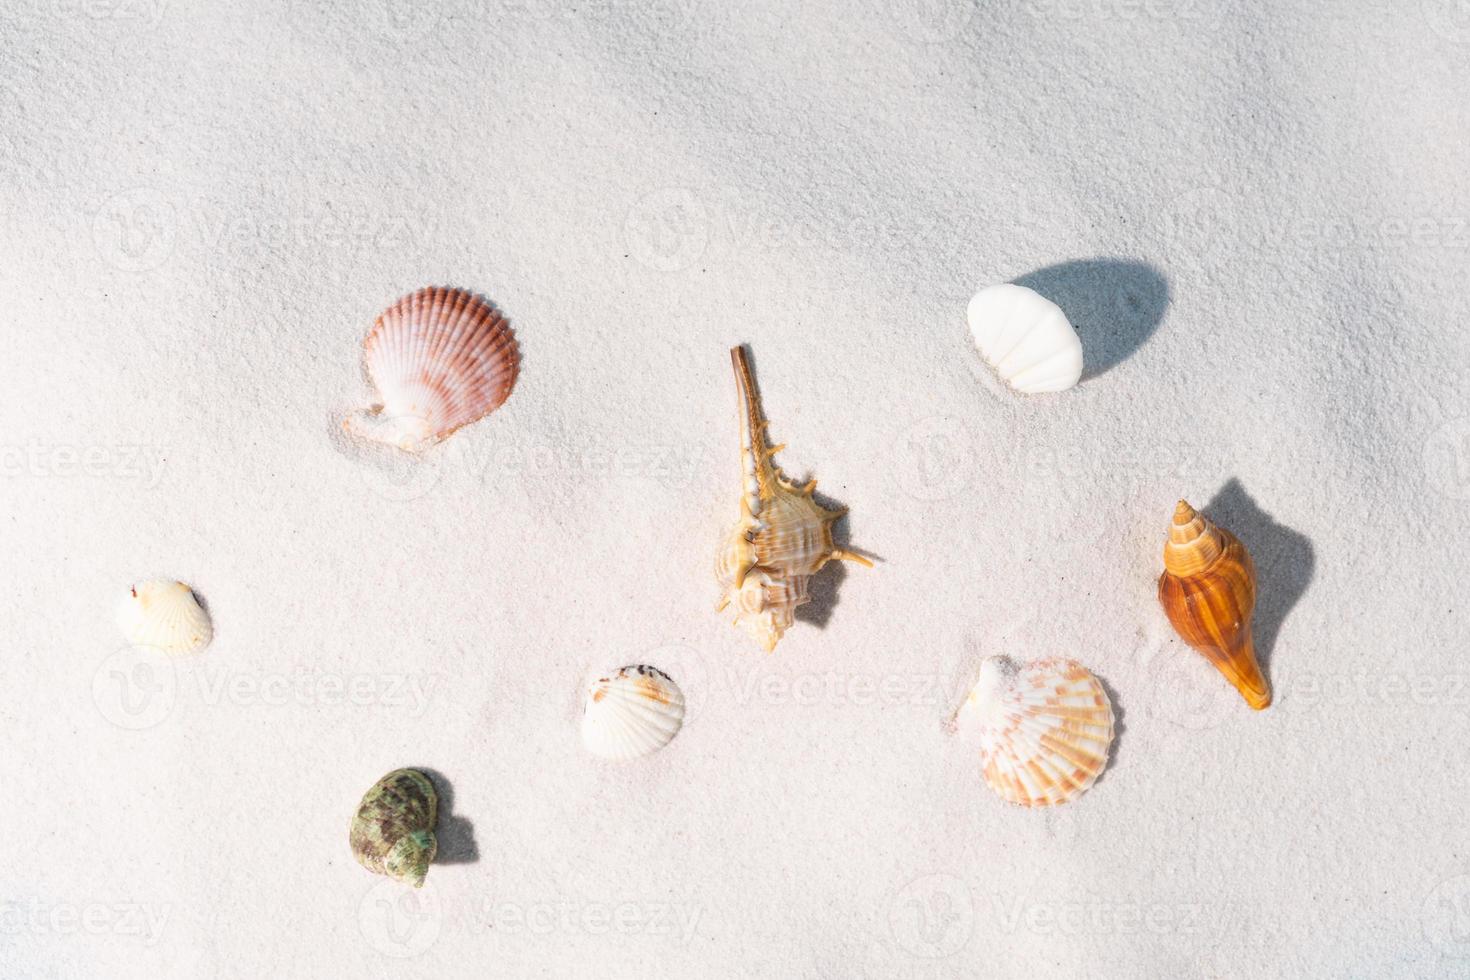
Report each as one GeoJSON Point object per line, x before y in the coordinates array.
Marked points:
{"type": "Point", "coordinates": [1044, 730]}
{"type": "Point", "coordinates": [1026, 338]}
{"type": "Point", "coordinates": [164, 614]}
{"type": "Point", "coordinates": [440, 359]}
{"type": "Point", "coordinates": [636, 711]}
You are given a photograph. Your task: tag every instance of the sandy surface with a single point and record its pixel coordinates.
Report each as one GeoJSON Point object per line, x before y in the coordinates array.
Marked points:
{"type": "Point", "coordinates": [1255, 213]}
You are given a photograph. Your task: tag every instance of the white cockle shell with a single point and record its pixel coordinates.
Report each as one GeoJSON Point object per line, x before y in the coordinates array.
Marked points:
{"type": "Point", "coordinates": [633, 712]}
{"type": "Point", "coordinates": [1026, 338]}
{"type": "Point", "coordinates": [164, 614]}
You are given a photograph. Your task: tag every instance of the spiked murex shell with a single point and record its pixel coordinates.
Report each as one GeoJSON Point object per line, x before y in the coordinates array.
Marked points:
{"type": "Point", "coordinates": [783, 537]}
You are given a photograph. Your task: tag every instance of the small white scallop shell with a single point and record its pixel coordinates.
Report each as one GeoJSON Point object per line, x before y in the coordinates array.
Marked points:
{"type": "Point", "coordinates": [1044, 730]}
{"type": "Point", "coordinates": [164, 614]}
{"type": "Point", "coordinates": [440, 359]}
{"type": "Point", "coordinates": [1026, 338]}
{"type": "Point", "coordinates": [634, 712]}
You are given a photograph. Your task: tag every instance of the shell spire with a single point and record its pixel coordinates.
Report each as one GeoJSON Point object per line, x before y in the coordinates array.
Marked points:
{"type": "Point", "coordinates": [783, 536]}
{"type": "Point", "coordinates": [1208, 591]}
{"type": "Point", "coordinates": [757, 456]}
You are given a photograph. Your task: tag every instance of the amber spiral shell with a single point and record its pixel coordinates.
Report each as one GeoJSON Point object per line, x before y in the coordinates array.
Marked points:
{"type": "Point", "coordinates": [1208, 591]}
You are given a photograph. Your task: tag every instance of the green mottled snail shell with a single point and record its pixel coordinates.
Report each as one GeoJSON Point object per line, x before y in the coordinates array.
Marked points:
{"type": "Point", "coordinates": [393, 831]}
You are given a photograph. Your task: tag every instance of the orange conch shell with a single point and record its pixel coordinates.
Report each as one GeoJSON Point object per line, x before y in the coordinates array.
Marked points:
{"type": "Point", "coordinates": [783, 537]}
{"type": "Point", "coordinates": [1208, 591]}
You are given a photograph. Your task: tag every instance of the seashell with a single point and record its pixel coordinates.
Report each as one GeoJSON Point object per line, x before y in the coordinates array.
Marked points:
{"type": "Point", "coordinates": [783, 537]}
{"type": "Point", "coordinates": [164, 614]}
{"type": "Point", "coordinates": [1208, 591]}
{"type": "Point", "coordinates": [634, 712]}
{"type": "Point", "coordinates": [1026, 338]}
{"type": "Point", "coordinates": [393, 831]}
{"type": "Point", "coordinates": [1044, 730]}
{"type": "Point", "coordinates": [440, 359]}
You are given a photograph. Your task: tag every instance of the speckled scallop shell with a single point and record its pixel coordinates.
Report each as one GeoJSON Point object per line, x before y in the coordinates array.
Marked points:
{"type": "Point", "coordinates": [440, 359]}
{"type": "Point", "coordinates": [164, 614]}
{"type": "Point", "coordinates": [1026, 338]}
{"type": "Point", "coordinates": [1044, 730]}
{"type": "Point", "coordinates": [635, 711]}
{"type": "Point", "coordinates": [392, 832]}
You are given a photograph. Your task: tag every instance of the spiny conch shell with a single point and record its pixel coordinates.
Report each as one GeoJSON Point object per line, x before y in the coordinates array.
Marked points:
{"type": "Point", "coordinates": [636, 711]}
{"type": "Point", "coordinates": [1044, 730]}
{"type": "Point", "coordinates": [783, 538]}
{"type": "Point", "coordinates": [1026, 338]}
{"type": "Point", "coordinates": [393, 831]}
{"type": "Point", "coordinates": [1208, 591]}
{"type": "Point", "coordinates": [166, 615]}
{"type": "Point", "coordinates": [440, 359]}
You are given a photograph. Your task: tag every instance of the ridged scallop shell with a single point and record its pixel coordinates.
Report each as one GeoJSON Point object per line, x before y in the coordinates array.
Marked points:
{"type": "Point", "coordinates": [783, 538]}
{"type": "Point", "coordinates": [636, 711]}
{"type": "Point", "coordinates": [440, 359]}
{"type": "Point", "coordinates": [1044, 730]}
{"type": "Point", "coordinates": [164, 614]}
{"type": "Point", "coordinates": [1026, 338]}
{"type": "Point", "coordinates": [392, 832]}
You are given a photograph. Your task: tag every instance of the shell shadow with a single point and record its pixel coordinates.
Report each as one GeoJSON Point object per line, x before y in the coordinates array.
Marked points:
{"type": "Point", "coordinates": [1115, 305]}
{"type": "Point", "coordinates": [1284, 560]}
{"type": "Point", "coordinates": [455, 833]}
{"type": "Point", "coordinates": [825, 584]}
{"type": "Point", "coordinates": [1120, 728]}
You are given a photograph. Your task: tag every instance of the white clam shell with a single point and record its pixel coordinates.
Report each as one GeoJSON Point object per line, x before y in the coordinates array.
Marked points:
{"type": "Point", "coordinates": [635, 711]}
{"type": "Point", "coordinates": [1026, 338]}
{"type": "Point", "coordinates": [440, 358]}
{"type": "Point", "coordinates": [164, 614]}
{"type": "Point", "coordinates": [1044, 731]}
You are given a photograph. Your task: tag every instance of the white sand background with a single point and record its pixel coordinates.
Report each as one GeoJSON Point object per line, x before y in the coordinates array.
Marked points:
{"type": "Point", "coordinates": [1255, 213]}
